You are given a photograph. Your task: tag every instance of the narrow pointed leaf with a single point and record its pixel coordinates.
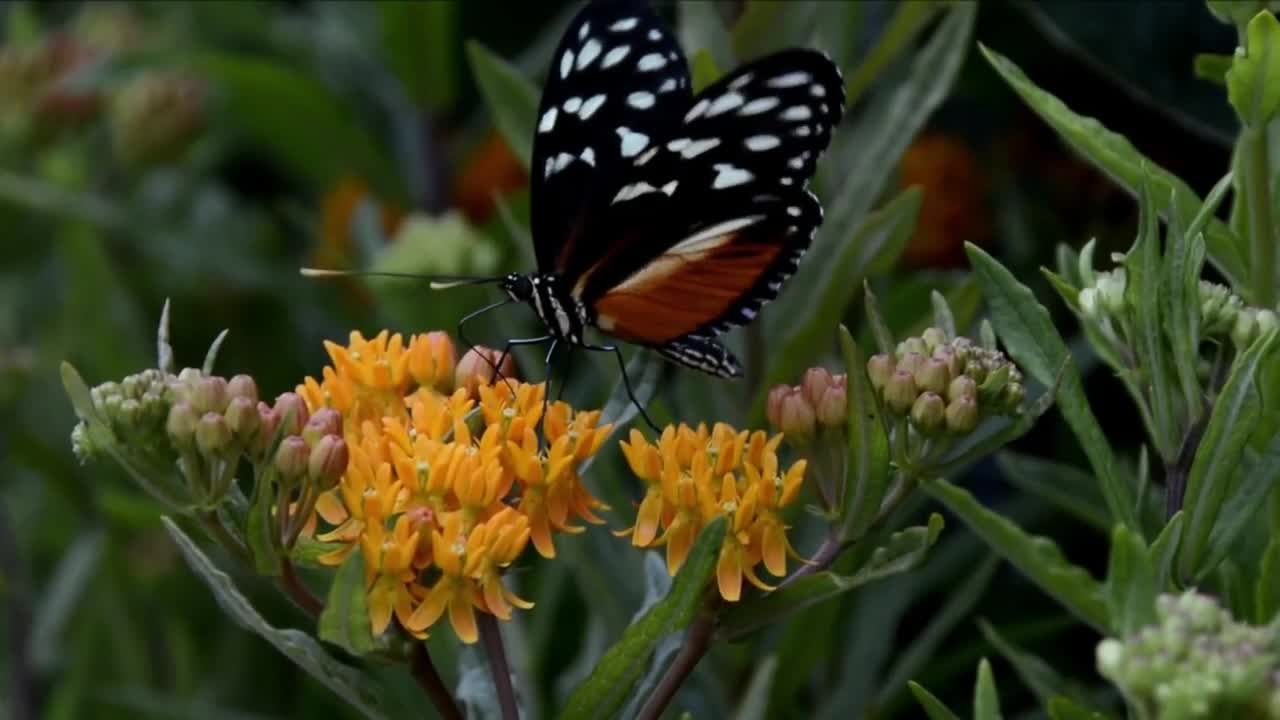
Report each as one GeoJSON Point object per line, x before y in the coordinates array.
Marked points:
{"type": "Point", "coordinates": [1131, 583]}
{"type": "Point", "coordinates": [986, 701]}
{"type": "Point", "coordinates": [510, 96]}
{"type": "Point", "coordinates": [932, 706]}
{"type": "Point", "coordinates": [867, 479]}
{"type": "Point", "coordinates": [345, 619]}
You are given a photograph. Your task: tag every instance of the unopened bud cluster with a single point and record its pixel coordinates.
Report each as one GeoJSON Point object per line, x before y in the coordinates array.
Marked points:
{"type": "Point", "coordinates": [819, 402]}
{"type": "Point", "coordinates": [945, 385]}
{"type": "Point", "coordinates": [134, 408]}
{"type": "Point", "coordinates": [1223, 315]}
{"type": "Point", "coordinates": [1196, 661]}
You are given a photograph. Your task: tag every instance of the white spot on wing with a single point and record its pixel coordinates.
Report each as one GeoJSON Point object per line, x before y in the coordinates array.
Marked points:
{"type": "Point", "coordinates": [634, 190]}
{"type": "Point", "coordinates": [793, 211]}
{"type": "Point", "coordinates": [562, 161]}
{"type": "Point", "coordinates": [728, 176]}
{"type": "Point", "coordinates": [798, 112]}
{"type": "Point", "coordinates": [655, 35]}
{"type": "Point", "coordinates": [818, 91]}
{"type": "Point", "coordinates": [572, 104]}
{"type": "Point", "coordinates": [566, 63]}
{"type": "Point", "coordinates": [667, 85]}
{"type": "Point", "coordinates": [741, 80]}
{"type": "Point", "coordinates": [678, 144]}
{"type": "Point", "coordinates": [762, 142]}
{"type": "Point", "coordinates": [647, 156]}
{"type": "Point", "coordinates": [724, 103]}
{"type": "Point", "coordinates": [588, 53]}
{"type": "Point", "coordinates": [697, 147]}
{"type": "Point", "coordinates": [590, 107]}
{"type": "Point", "coordinates": [802, 131]}
{"type": "Point", "coordinates": [652, 61]}
{"type": "Point", "coordinates": [548, 121]}
{"type": "Point", "coordinates": [696, 111]}
{"type": "Point", "coordinates": [589, 156]}
{"type": "Point", "coordinates": [640, 100]}
{"type": "Point", "coordinates": [796, 163]}
{"type": "Point", "coordinates": [786, 180]}
{"type": "Point", "coordinates": [791, 79]}
{"type": "Point", "coordinates": [670, 187]}
{"type": "Point", "coordinates": [615, 56]}
{"type": "Point", "coordinates": [632, 142]}
{"type": "Point", "coordinates": [624, 24]}
{"type": "Point", "coordinates": [759, 105]}
{"type": "Point", "coordinates": [582, 31]}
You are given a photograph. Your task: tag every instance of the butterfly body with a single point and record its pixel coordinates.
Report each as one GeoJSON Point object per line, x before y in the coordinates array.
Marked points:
{"type": "Point", "coordinates": [660, 217]}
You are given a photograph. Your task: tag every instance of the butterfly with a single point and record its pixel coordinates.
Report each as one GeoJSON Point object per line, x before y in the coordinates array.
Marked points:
{"type": "Point", "coordinates": [660, 217]}
{"type": "Point", "coordinates": [663, 218]}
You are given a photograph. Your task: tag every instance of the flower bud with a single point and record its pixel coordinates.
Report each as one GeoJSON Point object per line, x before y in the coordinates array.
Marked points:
{"type": "Point", "coordinates": [900, 392]}
{"type": "Point", "coordinates": [773, 405]}
{"type": "Point", "coordinates": [209, 394]}
{"type": "Point", "coordinates": [933, 338]}
{"type": "Point", "coordinates": [476, 368]}
{"type": "Point", "coordinates": [833, 406]}
{"type": "Point", "coordinates": [880, 368]}
{"type": "Point", "coordinates": [1111, 286]}
{"type": "Point", "coordinates": [128, 414]}
{"type": "Point", "coordinates": [181, 425]}
{"type": "Point", "coordinates": [950, 358]}
{"type": "Point", "coordinates": [814, 384]}
{"type": "Point", "coordinates": [432, 360]}
{"type": "Point", "coordinates": [912, 345]}
{"type": "Point", "coordinates": [1014, 394]}
{"type": "Point", "coordinates": [932, 376]}
{"type": "Point", "coordinates": [1267, 321]}
{"type": "Point", "coordinates": [292, 457]}
{"type": "Point", "coordinates": [268, 426]}
{"type": "Point", "coordinates": [910, 361]}
{"type": "Point", "coordinates": [212, 434]}
{"type": "Point", "coordinates": [325, 421]}
{"type": "Point", "coordinates": [243, 386]}
{"type": "Point", "coordinates": [242, 418]}
{"type": "Point", "coordinates": [928, 413]}
{"type": "Point", "coordinates": [796, 418]}
{"type": "Point", "coordinates": [292, 411]}
{"type": "Point", "coordinates": [1245, 327]}
{"type": "Point", "coordinates": [962, 415]}
{"type": "Point", "coordinates": [328, 461]}
{"type": "Point", "coordinates": [1088, 300]}
{"type": "Point", "coordinates": [963, 386]}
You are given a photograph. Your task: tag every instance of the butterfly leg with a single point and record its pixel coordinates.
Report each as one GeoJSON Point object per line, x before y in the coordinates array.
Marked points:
{"type": "Point", "coordinates": [564, 377]}
{"type": "Point", "coordinates": [626, 381]}
{"type": "Point", "coordinates": [506, 350]}
{"type": "Point", "coordinates": [546, 394]}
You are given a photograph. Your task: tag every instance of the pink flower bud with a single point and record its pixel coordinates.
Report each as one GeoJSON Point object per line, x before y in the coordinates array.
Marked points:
{"type": "Point", "coordinates": [325, 421]}
{"type": "Point", "coordinates": [181, 425]}
{"type": "Point", "coordinates": [900, 392]}
{"type": "Point", "coordinates": [328, 461]}
{"type": "Point", "coordinates": [292, 457]}
{"type": "Point", "coordinates": [796, 418]}
{"type": "Point", "coordinates": [212, 434]}
{"type": "Point", "coordinates": [292, 411]}
{"type": "Point", "coordinates": [879, 369]}
{"type": "Point", "coordinates": [833, 407]}
{"type": "Point", "coordinates": [209, 395]}
{"type": "Point", "coordinates": [815, 382]}
{"type": "Point", "coordinates": [476, 368]}
{"type": "Point", "coordinates": [242, 418]}
{"type": "Point", "coordinates": [243, 386]}
{"type": "Point", "coordinates": [773, 405]}
{"type": "Point", "coordinates": [928, 413]}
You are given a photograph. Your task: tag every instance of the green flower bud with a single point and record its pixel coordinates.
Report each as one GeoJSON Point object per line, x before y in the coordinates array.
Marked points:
{"type": "Point", "coordinates": [327, 462]}
{"type": "Point", "coordinates": [910, 362]}
{"type": "Point", "coordinates": [1267, 321]}
{"type": "Point", "coordinates": [209, 394]}
{"type": "Point", "coordinates": [292, 458]}
{"type": "Point", "coordinates": [1111, 287]}
{"type": "Point", "coordinates": [912, 345]}
{"type": "Point", "coordinates": [933, 338]}
{"type": "Point", "coordinates": [962, 415]}
{"type": "Point", "coordinates": [326, 421]}
{"type": "Point", "coordinates": [991, 389]}
{"type": "Point", "coordinates": [1245, 327]}
{"type": "Point", "coordinates": [243, 386]}
{"type": "Point", "coordinates": [963, 386]}
{"type": "Point", "coordinates": [932, 376]}
{"type": "Point", "coordinates": [213, 437]}
{"type": "Point", "coordinates": [1088, 299]}
{"type": "Point", "coordinates": [900, 392]}
{"type": "Point", "coordinates": [880, 368]}
{"type": "Point", "coordinates": [181, 425]}
{"type": "Point", "coordinates": [1014, 394]}
{"type": "Point", "coordinates": [948, 356]}
{"type": "Point", "coordinates": [928, 413]}
{"type": "Point", "coordinates": [976, 370]}
{"type": "Point", "coordinates": [242, 419]}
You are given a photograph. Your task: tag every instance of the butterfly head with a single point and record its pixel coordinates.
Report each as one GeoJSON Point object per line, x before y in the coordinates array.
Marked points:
{"type": "Point", "coordinates": [518, 287]}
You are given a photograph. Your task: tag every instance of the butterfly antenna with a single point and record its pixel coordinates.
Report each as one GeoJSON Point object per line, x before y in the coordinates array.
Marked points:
{"type": "Point", "coordinates": [437, 282]}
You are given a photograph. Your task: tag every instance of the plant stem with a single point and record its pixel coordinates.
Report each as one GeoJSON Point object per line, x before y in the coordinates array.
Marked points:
{"type": "Point", "coordinates": [213, 525]}
{"type": "Point", "coordinates": [299, 593]}
{"type": "Point", "coordinates": [491, 637]}
{"type": "Point", "coordinates": [696, 644]}
{"type": "Point", "coordinates": [424, 673]}
{"type": "Point", "coordinates": [1262, 255]}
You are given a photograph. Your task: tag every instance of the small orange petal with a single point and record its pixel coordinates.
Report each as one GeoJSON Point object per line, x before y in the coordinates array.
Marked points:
{"type": "Point", "coordinates": [729, 572]}
{"type": "Point", "coordinates": [462, 616]}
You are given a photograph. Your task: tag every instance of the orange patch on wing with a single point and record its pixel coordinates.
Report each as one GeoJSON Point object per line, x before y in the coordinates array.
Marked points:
{"type": "Point", "coordinates": [678, 293]}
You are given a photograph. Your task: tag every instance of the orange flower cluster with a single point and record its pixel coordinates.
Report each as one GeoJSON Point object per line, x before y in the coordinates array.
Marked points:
{"type": "Point", "coordinates": [445, 489]}
{"type": "Point", "coordinates": [696, 475]}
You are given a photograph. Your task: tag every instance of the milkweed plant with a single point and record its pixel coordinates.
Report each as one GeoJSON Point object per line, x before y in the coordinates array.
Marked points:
{"type": "Point", "coordinates": [416, 497]}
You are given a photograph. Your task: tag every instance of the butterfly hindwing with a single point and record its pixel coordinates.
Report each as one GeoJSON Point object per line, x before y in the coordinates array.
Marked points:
{"type": "Point", "coordinates": [703, 227]}
{"type": "Point", "coordinates": [616, 82]}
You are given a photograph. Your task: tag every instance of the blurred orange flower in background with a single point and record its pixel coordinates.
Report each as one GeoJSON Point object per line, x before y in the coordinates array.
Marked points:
{"type": "Point", "coordinates": [492, 169]}
{"type": "Point", "coordinates": [955, 208]}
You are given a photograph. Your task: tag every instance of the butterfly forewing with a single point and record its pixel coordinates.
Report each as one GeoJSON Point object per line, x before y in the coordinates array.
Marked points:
{"type": "Point", "coordinates": [704, 226]}
{"type": "Point", "coordinates": [616, 83]}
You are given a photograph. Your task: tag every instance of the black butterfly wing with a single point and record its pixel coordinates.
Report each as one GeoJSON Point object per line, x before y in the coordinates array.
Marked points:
{"type": "Point", "coordinates": [705, 225]}
{"type": "Point", "coordinates": [616, 81]}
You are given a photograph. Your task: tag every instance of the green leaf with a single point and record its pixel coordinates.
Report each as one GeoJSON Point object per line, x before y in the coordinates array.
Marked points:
{"type": "Point", "coordinates": [1035, 673]}
{"type": "Point", "coordinates": [1131, 583]}
{"type": "Point", "coordinates": [942, 317]}
{"type": "Point", "coordinates": [1061, 708]}
{"type": "Point", "coordinates": [62, 597]}
{"type": "Point", "coordinates": [884, 338]}
{"type": "Point", "coordinates": [1033, 341]}
{"type": "Point", "coordinates": [1116, 156]}
{"type": "Point", "coordinates": [1143, 293]}
{"type": "Point", "coordinates": [419, 39]}
{"type": "Point", "coordinates": [1184, 262]}
{"type": "Point", "coordinates": [904, 551]}
{"type": "Point", "coordinates": [986, 702]}
{"type": "Point", "coordinates": [1036, 557]}
{"type": "Point", "coordinates": [260, 529]}
{"type": "Point", "coordinates": [1212, 67]}
{"type": "Point", "coordinates": [882, 234]}
{"type": "Point", "coordinates": [1246, 498]}
{"type": "Point", "coordinates": [307, 552]}
{"type": "Point", "coordinates": [211, 357]}
{"type": "Point", "coordinates": [1164, 552]}
{"type": "Point", "coordinates": [346, 682]}
{"type": "Point", "coordinates": [345, 619]}
{"type": "Point", "coordinates": [932, 706]}
{"type": "Point", "coordinates": [1062, 486]}
{"type": "Point", "coordinates": [1253, 82]}
{"type": "Point", "coordinates": [1235, 414]}
{"type": "Point", "coordinates": [164, 351]}
{"type": "Point", "coordinates": [755, 700]}
{"type": "Point", "coordinates": [510, 96]}
{"type": "Point", "coordinates": [604, 691]}
{"type": "Point", "coordinates": [703, 68]}
{"type": "Point", "coordinates": [1266, 599]}
{"type": "Point", "coordinates": [296, 121]}
{"type": "Point", "coordinates": [898, 35]}
{"type": "Point", "coordinates": [867, 477]}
